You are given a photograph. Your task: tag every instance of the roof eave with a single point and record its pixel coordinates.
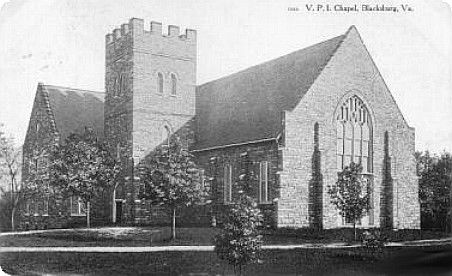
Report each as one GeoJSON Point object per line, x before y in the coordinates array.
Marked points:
{"type": "Point", "coordinates": [237, 144]}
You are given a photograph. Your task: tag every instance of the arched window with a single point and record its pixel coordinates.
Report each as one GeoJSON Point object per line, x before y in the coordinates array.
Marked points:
{"type": "Point", "coordinates": [160, 83]}
{"type": "Point", "coordinates": [173, 84]}
{"type": "Point", "coordinates": [165, 134]}
{"type": "Point", "coordinates": [227, 183]}
{"type": "Point", "coordinates": [354, 133]}
{"type": "Point", "coordinates": [119, 84]}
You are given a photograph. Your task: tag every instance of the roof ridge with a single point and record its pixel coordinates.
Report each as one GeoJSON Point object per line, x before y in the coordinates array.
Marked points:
{"type": "Point", "coordinates": [258, 95]}
{"type": "Point", "coordinates": [342, 36]}
{"type": "Point", "coordinates": [73, 89]}
{"type": "Point", "coordinates": [378, 72]}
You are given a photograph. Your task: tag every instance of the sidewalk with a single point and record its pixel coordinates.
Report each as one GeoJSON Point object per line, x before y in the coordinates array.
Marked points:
{"type": "Point", "coordinates": [139, 249]}
{"type": "Point", "coordinates": [204, 248]}
{"type": "Point", "coordinates": [30, 232]}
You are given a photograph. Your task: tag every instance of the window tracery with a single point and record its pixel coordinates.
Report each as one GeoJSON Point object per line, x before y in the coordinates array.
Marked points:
{"type": "Point", "coordinates": [354, 133]}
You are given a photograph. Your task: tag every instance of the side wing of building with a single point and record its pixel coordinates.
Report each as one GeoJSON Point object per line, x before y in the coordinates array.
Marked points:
{"type": "Point", "coordinates": [57, 112]}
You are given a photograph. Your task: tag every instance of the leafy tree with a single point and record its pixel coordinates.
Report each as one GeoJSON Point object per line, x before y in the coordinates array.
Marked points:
{"type": "Point", "coordinates": [435, 180]}
{"type": "Point", "coordinates": [171, 179]}
{"type": "Point", "coordinates": [5, 209]}
{"type": "Point", "coordinates": [240, 242]}
{"type": "Point", "coordinates": [349, 194]}
{"type": "Point", "coordinates": [82, 167]}
{"type": "Point", "coordinates": [9, 170]}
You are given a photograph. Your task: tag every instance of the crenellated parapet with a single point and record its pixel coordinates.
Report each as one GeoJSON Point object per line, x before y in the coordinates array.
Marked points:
{"type": "Point", "coordinates": [136, 28]}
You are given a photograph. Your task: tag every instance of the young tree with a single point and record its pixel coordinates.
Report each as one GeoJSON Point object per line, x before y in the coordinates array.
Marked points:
{"type": "Point", "coordinates": [82, 167]}
{"type": "Point", "coordinates": [9, 170]}
{"type": "Point", "coordinates": [171, 179]}
{"type": "Point", "coordinates": [240, 242]}
{"type": "Point", "coordinates": [349, 194]}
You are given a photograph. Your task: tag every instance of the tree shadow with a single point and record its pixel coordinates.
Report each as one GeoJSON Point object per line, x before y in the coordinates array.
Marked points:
{"type": "Point", "coordinates": [140, 211]}
{"type": "Point", "coordinates": [387, 195]}
{"type": "Point", "coordinates": [315, 188]}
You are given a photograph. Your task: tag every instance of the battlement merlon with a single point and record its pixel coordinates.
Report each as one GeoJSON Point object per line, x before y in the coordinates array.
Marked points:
{"type": "Point", "coordinates": [124, 29]}
{"type": "Point", "coordinates": [136, 27]}
{"type": "Point", "coordinates": [173, 30]}
{"type": "Point", "coordinates": [156, 27]}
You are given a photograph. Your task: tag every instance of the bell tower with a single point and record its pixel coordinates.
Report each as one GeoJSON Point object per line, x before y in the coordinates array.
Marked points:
{"type": "Point", "coordinates": [150, 82]}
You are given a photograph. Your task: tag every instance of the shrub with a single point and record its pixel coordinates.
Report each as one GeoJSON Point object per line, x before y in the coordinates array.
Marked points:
{"type": "Point", "coordinates": [240, 242]}
{"type": "Point", "coordinates": [373, 238]}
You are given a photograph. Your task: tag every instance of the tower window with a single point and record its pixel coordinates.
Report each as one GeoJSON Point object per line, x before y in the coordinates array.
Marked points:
{"type": "Point", "coordinates": [160, 83]}
{"type": "Point", "coordinates": [119, 84]}
{"type": "Point", "coordinates": [173, 84]}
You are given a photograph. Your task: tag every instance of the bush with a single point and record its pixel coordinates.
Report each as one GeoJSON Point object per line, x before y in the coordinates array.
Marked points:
{"type": "Point", "coordinates": [240, 242]}
{"type": "Point", "coordinates": [373, 238]}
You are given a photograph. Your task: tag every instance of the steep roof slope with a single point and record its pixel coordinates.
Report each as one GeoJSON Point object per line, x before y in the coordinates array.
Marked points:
{"type": "Point", "coordinates": [75, 109]}
{"type": "Point", "coordinates": [249, 105]}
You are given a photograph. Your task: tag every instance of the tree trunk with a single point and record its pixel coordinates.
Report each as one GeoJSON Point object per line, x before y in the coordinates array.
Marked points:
{"type": "Point", "coordinates": [173, 225]}
{"type": "Point", "coordinates": [13, 203]}
{"type": "Point", "coordinates": [354, 229]}
{"type": "Point", "coordinates": [88, 207]}
{"type": "Point", "coordinates": [13, 211]}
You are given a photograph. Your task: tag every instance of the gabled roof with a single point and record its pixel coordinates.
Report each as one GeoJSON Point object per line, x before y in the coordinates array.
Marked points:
{"type": "Point", "coordinates": [249, 105]}
{"type": "Point", "coordinates": [74, 109]}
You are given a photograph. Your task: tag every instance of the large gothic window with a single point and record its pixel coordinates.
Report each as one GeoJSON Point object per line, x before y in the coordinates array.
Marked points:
{"type": "Point", "coordinates": [354, 135]}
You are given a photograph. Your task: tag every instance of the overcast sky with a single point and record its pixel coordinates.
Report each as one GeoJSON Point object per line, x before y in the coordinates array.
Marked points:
{"type": "Point", "coordinates": [61, 42]}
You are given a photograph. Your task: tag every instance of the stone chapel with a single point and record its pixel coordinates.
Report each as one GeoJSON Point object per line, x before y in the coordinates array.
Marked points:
{"type": "Point", "coordinates": [296, 121]}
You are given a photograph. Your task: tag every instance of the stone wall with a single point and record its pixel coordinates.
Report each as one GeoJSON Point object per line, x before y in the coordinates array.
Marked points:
{"type": "Point", "coordinates": [41, 136]}
{"type": "Point", "coordinates": [350, 71]}
{"type": "Point", "coordinates": [58, 216]}
{"type": "Point", "coordinates": [213, 162]}
{"type": "Point", "coordinates": [118, 111]}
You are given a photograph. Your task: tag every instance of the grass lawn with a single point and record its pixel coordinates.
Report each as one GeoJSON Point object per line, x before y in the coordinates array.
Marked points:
{"type": "Point", "coordinates": [157, 236]}
{"type": "Point", "coordinates": [114, 236]}
{"type": "Point", "coordinates": [421, 260]}
{"type": "Point", "coordinates": [358, 261]}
